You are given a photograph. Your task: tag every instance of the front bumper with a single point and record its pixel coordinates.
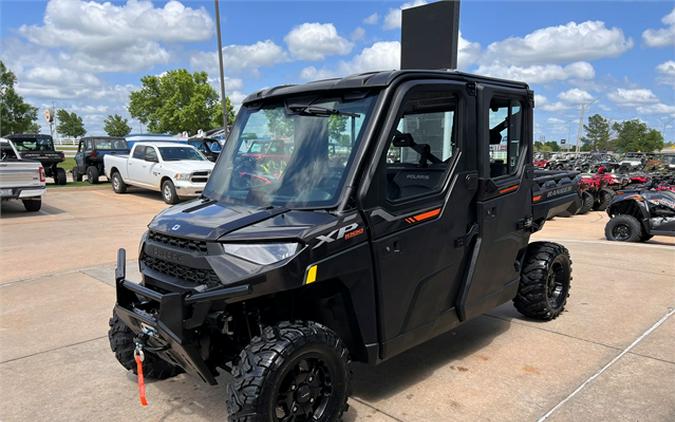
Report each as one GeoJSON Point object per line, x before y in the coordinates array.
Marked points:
{"type": "Point", "coordinates": [22, 193]}
{"type": "Point", "coordinates": [187, 188]}
{"type": "Point", "coordinates": [175, 317]}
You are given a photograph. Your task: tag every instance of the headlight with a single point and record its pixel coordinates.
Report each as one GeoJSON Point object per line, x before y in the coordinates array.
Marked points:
{"type": "Point", "coordinates": [262, 253]}
{"type": "Point", "coordinates": [183, 176]}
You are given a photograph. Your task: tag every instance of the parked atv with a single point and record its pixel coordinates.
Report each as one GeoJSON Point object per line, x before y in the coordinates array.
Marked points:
{"type": "Point", "coordinates": [596, 192]}
{"type": "Point", "coordinates": [41, 148]}
{"type": "Point", "coordinates": [346, 255]}
{"type": "Point", "coordinates": [636, 216]}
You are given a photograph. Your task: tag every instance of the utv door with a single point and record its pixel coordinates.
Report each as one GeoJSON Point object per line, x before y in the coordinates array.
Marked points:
{"type": "Point", "coordinates": [80, 158]}
{"type": "Point", "coordinates": [504, 203]}
{"type": "Point", "coordinates": [418, 205]}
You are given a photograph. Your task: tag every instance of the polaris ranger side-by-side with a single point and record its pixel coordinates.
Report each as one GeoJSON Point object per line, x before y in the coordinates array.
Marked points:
{"type": "Point", "coordinates": [414, 224]}
{"type": "Point", "coordinates": [403, 208]}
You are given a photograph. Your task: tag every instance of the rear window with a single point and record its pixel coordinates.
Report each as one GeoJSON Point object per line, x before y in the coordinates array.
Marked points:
{"type": "Point", "coordinates": [111, 144]}
{"type": "Point", "coordinates": [38, 143]}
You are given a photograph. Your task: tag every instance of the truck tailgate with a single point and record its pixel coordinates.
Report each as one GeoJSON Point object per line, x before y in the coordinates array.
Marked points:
{"type": "Point", "coordinates": [14, 174]}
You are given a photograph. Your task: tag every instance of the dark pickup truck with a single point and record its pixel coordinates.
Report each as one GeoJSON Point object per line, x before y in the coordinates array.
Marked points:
{"type": "Point", "coordinates": [40, 148]}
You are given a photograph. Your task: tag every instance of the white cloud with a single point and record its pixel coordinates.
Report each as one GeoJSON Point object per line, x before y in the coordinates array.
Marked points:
{"type": "Point", "coordinates": [315, 41]}
{"type": "Point", "coordinates": [358, 34]}
{"type": "Point", "coordinates": [108, 37]}
{"type": "Point", "coordinates": [662, 37]}
{"type": "Point", "coordinates": [575, 96]}
{"type": "Point", "coordinates": [539, 73]}
{"type": "Point", "coordinates": [560, 44]}
{"type": "Point", "coordinates": [666, 72]}
{"type": "Point", "coordinates": [372, 19]}
{"type": "Point", "coordinates": [393, 18]}
{"type": "Point", "coordinates": [632, 97]}
{"type": "Point", "coordinates": [657, 108]}
{"type": "Point", "coordinates": [556, 106]}
{"type": "Point", "coordinates": [540, 99]}
{"type": "Point", "coordinates": [238, 58]}
{"type": "Point", "coordinates": [384, 55]}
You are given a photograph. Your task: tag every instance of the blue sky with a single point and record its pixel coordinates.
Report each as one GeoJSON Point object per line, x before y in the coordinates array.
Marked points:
{"type": "Point", "coordinates": [619, 57]}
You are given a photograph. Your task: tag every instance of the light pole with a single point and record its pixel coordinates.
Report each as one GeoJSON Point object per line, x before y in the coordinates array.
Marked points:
{"type": "Point", "coordinates": [220, 65]}
{"type": "Point", "coordinates": [582, 110]}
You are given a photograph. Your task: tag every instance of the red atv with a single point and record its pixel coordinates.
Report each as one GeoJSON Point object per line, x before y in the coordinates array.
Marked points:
{"type": "Point", "coordinates": [597, 190]}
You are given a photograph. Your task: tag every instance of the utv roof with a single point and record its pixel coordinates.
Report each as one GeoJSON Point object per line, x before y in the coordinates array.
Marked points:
{"type": "Point", "coordinates": [377, 80]}
{"type": "Point", "coordinates": [19, 136]}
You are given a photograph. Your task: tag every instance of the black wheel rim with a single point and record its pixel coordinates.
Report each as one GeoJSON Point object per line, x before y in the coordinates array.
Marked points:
{"type": "Point", "coordinates": [621, 232]}
{"type": "Point", "coordinates": [305, 391]}
{"type": "Point", "coordinates": [557, 284]}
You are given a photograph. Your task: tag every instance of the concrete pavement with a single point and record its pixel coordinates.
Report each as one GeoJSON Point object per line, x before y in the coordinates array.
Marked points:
{"type": "Point", "coordinates": [56, 294]}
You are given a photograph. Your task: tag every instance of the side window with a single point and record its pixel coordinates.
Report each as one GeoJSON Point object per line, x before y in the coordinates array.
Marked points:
{"type": "Point", "coordinates": [422, 146]}
{"type": "Point", "coordinates": [150, 154]}
{"type": "Point", "coordinates": [139, 153]}
{"type": "Point", "coordinates": [80, 146]}
{"type": "Point", "coordinates": [87, 145]}
{"type": "Point", "coordinates": [505, 120]}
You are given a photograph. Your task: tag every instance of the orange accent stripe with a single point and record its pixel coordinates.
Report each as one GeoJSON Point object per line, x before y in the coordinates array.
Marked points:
{"type": "Point", "coordinates": [509, 189]}
{"type": "Point", "coordinates": [427, 215]}
{"type": "Point", "coordinates": [536, 198]}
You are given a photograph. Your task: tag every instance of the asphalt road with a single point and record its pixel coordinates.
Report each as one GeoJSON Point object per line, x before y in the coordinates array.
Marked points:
{"type": "Point", "coordinates": [610, 356]}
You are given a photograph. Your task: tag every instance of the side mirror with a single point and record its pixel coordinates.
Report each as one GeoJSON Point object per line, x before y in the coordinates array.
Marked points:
{"type": "Point", "coordinates": [403, 140]}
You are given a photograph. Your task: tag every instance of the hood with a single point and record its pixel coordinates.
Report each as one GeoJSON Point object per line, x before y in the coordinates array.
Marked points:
{"type": "Point", "coordinates": [208, 220]}
{"type": "Point", "coordinates": [188, 166]}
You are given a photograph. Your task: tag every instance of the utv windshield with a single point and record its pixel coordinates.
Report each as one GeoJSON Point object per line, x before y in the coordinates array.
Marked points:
{"type": "Point", "coordinates": [293, 153]}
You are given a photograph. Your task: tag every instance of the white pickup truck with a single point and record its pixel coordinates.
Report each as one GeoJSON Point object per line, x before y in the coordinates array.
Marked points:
{"type": "Point", "coordinates": [20, 179]}
{"type": "Point", "coordinates": [176, 170]}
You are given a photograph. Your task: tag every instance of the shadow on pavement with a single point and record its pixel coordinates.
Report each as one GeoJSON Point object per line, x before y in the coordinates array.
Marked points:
{"type": "Point", "coordinates": [373, 383]}
{"type": "Point", "coordinates": [15, 209]}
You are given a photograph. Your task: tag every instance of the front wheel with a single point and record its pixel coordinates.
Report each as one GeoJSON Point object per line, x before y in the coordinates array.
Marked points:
{"type": "Point", "coordinates": [169, 192]}
{"type": "Point", "coordinates": [121, 340]}
{"type": "Point", "coordinates": [293, 371]}
{"type": "Point", "coordinates": [545, 281]}
{"type": "Point", "coordinates": [92, 175]}
{"type": "Point", "coordinates": [624, 228]}
{"type": "Point", "coordinates": [77, 176]}
{"type": "Point", "coordinates": [586, 202]}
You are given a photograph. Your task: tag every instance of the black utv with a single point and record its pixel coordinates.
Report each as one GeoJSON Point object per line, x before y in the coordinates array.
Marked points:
{"type": "Point", "coordinates": [638, 215]}
{"type": "Point", "coordinates": [403, 209]}
{"type": "Point", "coordinates": [209, 147]}
{"type": "Point", "coordinates": [40, 148]}
{"type": "Point", "coordinates": [90, 153]}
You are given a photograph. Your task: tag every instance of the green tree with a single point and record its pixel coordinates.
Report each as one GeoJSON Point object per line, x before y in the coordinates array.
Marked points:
{"type": "Point", "coordinates": [336, 125]}
{"type": "Point", "coordinates": [279, 124]}
{"type": "Point", "coordinates": [116, 125]}
{"type": "Point", "coordinates": [634, 135]}
{"type": "Point", "coordinates": [177, 101]}
{"type": "Point", "coordinates": [69, 124]}
{"type": "Point", "coordinates": [597, 134]}
{"type": "Point", "coordinates": [16, 116]}
{"type": "Point", "coordinates": [218, 117]}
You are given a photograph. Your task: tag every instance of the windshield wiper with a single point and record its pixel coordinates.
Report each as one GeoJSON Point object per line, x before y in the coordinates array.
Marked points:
{"type": "Point", "coordinates": [312, 110]}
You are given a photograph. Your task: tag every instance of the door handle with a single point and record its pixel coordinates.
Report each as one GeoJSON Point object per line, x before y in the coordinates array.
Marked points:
{"type": "Point", "coordinates": [393, 247]}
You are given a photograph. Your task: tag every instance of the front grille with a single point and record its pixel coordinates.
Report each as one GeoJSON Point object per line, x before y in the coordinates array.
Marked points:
{"type": "Point", "coordinates": [177, 242]}
{"type": "Point", "coordinates": [200, 177]}
{"type": "Point", "coordinates": [181, 272]}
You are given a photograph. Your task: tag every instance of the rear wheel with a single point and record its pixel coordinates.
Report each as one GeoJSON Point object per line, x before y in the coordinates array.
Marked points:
{"type": "Point", "coordinates": [32, 205]}
{"type": "Point", "coordinates": [169, 192]}
{"type": "Point", "coordinates": [60, 176]}
{"type": "Point", "coordinates": [121, 340]}
{"type": "Point", "coordinates": [604, 198]}
{"type": "Point", "coordinates": [586, 202]}
{"type": "Point", "coordinates": [118, 184]}
{"type": "Point", "coordinates": [545, 281]}
{"type": "Point", "coordinates": [293, 371]}
{"type": "Point", "coordinates": [623, 228]}
{"type": "Point", "coordinates": [92, 175]}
